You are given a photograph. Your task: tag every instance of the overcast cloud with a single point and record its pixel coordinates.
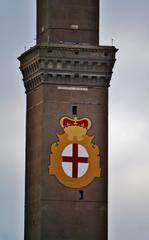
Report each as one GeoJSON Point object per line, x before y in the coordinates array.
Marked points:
{"type": "Point", "coordinates": [127, 23]}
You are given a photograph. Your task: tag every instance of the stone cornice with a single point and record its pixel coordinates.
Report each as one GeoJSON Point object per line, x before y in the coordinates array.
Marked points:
{"type": "Point", "coordinates": [67, 64]}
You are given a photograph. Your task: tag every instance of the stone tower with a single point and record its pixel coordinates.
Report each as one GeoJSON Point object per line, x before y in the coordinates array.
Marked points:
{"type": "Point", "coordinates": [66, 76]}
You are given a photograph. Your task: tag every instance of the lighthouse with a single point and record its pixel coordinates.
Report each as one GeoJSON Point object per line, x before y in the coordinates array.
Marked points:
{"type": "Point", "coordinates": [66, 77]}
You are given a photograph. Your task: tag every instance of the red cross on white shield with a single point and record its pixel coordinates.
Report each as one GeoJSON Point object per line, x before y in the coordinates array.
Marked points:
{"type": "Point", "coordinates": [75, 160]}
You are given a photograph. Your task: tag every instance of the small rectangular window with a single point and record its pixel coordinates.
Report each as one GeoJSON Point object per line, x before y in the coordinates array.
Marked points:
{"type": "Point", "coordinates": [74, 110]}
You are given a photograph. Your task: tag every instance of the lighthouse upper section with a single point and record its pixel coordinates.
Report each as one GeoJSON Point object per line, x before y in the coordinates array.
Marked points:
{"type": "Point", "coordinates": [68, 21]}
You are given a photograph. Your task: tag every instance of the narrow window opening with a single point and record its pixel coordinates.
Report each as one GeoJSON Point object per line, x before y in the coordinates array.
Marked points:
{"type": "Point", "coordinates": [74, 110]}
{"type": "Point", "coordinates": [81, 195]}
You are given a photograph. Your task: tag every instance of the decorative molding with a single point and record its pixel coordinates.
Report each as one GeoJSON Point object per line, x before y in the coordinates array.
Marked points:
{"type": "Point", "coordinates": [73, 88]}
{"type": "Point", "coordinates": [67, 65]}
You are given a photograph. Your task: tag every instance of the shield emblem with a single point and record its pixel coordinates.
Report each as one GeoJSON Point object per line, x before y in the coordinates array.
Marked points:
{"type": "Point", "coordinates": [75, 160]}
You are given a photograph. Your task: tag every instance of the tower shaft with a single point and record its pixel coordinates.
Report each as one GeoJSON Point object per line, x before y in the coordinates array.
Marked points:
{"type": "Point", "coordinates": [65, 21]}
{"type": "Point", "coordinates": [66, 76]}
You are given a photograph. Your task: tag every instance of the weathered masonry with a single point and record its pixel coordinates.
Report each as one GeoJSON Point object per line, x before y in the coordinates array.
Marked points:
{"type": "Point", "coordinates": [66, 76]}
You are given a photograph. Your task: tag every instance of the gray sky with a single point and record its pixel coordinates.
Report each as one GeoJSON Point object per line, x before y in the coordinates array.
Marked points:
{"type": "Point", "coordinates": [127, 23]}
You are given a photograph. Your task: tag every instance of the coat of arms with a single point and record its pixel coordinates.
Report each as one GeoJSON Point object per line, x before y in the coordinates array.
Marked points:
{"type": "Point", "coordinates": [74, 159]}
